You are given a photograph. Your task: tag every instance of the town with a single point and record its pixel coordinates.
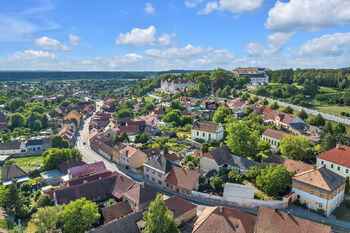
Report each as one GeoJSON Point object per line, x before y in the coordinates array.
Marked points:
{"type": "Point", "coordinates": [221, 151]}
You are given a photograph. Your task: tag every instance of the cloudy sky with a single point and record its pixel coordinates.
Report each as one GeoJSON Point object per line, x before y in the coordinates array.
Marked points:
{"type": "Point", "coordinates": [138, 35]}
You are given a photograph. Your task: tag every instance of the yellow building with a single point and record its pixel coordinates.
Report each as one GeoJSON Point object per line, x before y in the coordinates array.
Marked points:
{"type": "Point", "coordinates": [207, 131]}
{"type": "Point", "coordinates": [74, 116]}
{"type": "Point", "coordinates": [319, 188]}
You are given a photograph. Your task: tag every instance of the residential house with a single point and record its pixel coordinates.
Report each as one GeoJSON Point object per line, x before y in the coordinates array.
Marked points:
{"type": "Point", "coordinates": [140, 196]}
{"type": "Point", "coordinates": [274, 137]}
{"type": "Point", "coordinates": [171, 85]}
{"type": "Point", "coordinates": [75, 117]}
{"type": "Point", "coordinates": [102, 145]}
{"type": "Point", "coordinates": [288, 121]}
{"type": "Point", "coordinates": [141, 124]}
{"type": "Point", "coordinates": [319, 188]}
{"type": "Point", "coordinates": [152, 152]}
{"type": "Point", "coordinates": [68, 132]}
{"type": "Point", "coordinates": [207, 131]}
{"type": "Point", "coordinates": [274, 221]}
{"type": "Point", "coordinates": [86, 170]}
{"type": "Point", "coordinates": [183, 211]}
{"type": "Point", "coordinates": [13, 172]}
{"type": "Point", "coordinates": [244, 164]}
{"type": "Point", "coordinates": [156, 169]}
{"type": "Point", "coordinates": [123, 121]}
{"type": "Point", "coordinates": [8, 148]}
{"type": "Point", "coordinates": [237, 105]}
{"type": "Point", "coordinates": [290, 164]}
{"type": "Point", "coordinates": [216, 159]}
{"type": "Point", "coordinates": [130, 130]}
{"type": "Point", "coordinates": [337, 160]}
{"type": "Point", "coordinates": [34, 145]}
{"type": "Point", "coordinates": [182, 181]}
{"type": "Point", "coordinates": [86, 179]}
{"type": "Point", "coordinates": [173, 158]}
{"type": "Point", "coordinates": [66, 165]}
{"type": "Point", "coordinates": [255, 74]}
{"type": "Point", "coordinates": [116, 211]}
{"type": "Point", "coordinates": [150, 120]}
{"type": "Point", "coordinates": [52, 177]}
{"type": "Point", "coordinates": [131, 158]}
{"type": "Point", "coordinates": [224, 219]}
{"type": "Point", "coordinates": [209, 104]}
{"type": "Point", "coordinates": [157, 113]}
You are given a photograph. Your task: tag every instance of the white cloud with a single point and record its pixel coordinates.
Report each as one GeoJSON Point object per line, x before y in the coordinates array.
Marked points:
{"type": "Point", "coordinates": [149, 9]}
{"type": "Point", "coordinates": [254, 49]}
{"type": "Point", "coordinates": [186, 51]}
{"type": "Point", "coordinates": [33, 54]}
{"type": "Point", "coordinates": [143, 37]}
{"type": "Point", "coordinates": [232, 6]}
{"type": "Point", "coordinates": [51, 44]}
{"type": "Point", "coordinates": [192, 3]}
{"type": "Point", "coordinates": [309, 15]}
{"type": "Point", "coordinates": [277, 41]}
{"type": "Point", "coordinates": [74, 40]}
{"type": "Point", "coordinates": [326, 45]}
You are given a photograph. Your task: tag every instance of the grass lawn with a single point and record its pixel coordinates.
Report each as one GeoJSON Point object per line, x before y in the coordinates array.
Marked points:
{"type": "Point", "coordinates": [149, 99]}
{"type": "Point", "coordinates": [328, 90]}
{"type": "Point", "coordinates": [28, 163]}
{"type": "Point", "coordinates": [258, 193]}
{"type": "Point", "coordinates": [333, 109]}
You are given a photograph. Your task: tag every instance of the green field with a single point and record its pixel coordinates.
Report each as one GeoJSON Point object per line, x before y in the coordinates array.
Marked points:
{"type": "Point", "coordinates": [333, 109]}
{"type": "Point", "coordinates": [28, 163]}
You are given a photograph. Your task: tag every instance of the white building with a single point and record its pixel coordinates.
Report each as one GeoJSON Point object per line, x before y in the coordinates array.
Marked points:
{"type": "Point", "coordinates": [207, 131]}
{"type": "Point", "coordinates": [7, 148]}
{"type": "Point", "coordinates": [274, 137]}
{"type": "Point", "coordinates": [337, 160]}
{"type": "Point", "coordinates": [256, 74]}
{"type": "Point", "coordinates": [172, 85]}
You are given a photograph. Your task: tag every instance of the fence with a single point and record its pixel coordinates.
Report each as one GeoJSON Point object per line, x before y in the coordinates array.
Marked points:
{"type": "Point", "coordinates": [241, 202]}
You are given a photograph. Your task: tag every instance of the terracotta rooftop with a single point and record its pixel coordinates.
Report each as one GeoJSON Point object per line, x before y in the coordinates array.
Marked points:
{"type": "Point", "coordinates": [290, 164]}
{"type": "Point", "coordinates": [320, 177]}
{"type": "Point", "coordinates": [182, 178]}
{"type": "Point", "coordinates": [178, 205]}
{"type": "Point", "coordinates": [141, 193]}
{"type": "Point", "coordinates": [87, 169]}
{"type": "Point", "coordinates": [221, 155]}
{"type": "Point", "coordinates": [205, 126]}
{"type": "Point", "coordinates": [64, 166]}
{"type": "Point", "coordinates": [91, 178]}
{"type": "Point", "coordinates": [275, 133]}
{"type": "Point", "coordinates": [116, 211]}
{"type": "Point", "coordinates": [272, 221]}
{"type": "Point", "coordinates": [340, 155]}
{"type": "Point", "coordinates": [223, 219]}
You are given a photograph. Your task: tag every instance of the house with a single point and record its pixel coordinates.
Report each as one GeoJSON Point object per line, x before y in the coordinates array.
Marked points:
{"type": "Point", "coordinates": [68, 133]}
{"type": "Point", "coordinates": [13, 172]}
{"type": "Point", "coordinates": [140, 196]}
{"type": "Point", "coordinates": [232, 190]}
{"type": "Point", "coordinates": [7, 148]}
{"type": "Point", "coordinates": [237, 105]}
{"type": "Point", "coordinates": [173, 158]}
{"type": "Point", "coordinates": [152, 152]}
{"type": "Point", "coordinates": [75, 117]}
{"type": "Point", "coordinates": [99, 190]}
{"type": "Point", "coordinates": [182, 181]}
{"type": "Point", "coordinates": [244, 164]}
{"type": "Point", "coordinates": [207, 131]}
{"type": "Point", "coordinates": [66, 165]}
{"type": "Point", "coordinates": [319, 188]}
{"type": "Point", "coordinates": [52, 177]}
{"type": "Point", "coordinates": [337, 160]}
{"type": "Point", "coordinates": [290, 164]}
{"type": "Point", "coordinates": [131, 158]}
{"type": "Point", "coordinates": [102, 145]}
{"type": "Point", "coordinates": [116, 211]}
{"type": "Point", "coordinates": [216, 159]}
{"type": "Point", "coordinates": [156, 169]}
{"type": "Point", "coordinates": [141, 124]}
{"type": "Point", "coordinates": [274, 221]}
{"type": "Point", "coordinates": [183, 211]}
{"type": "Point", "coordinates": [224, 219]}
{"type": "Point", "coordinates": [150, 120]}
{"type": "Point", "coordinates": [255, 74]}
{"type": "Point", "coordinates": [123, 121]}
{"type": "Point", "coordinates": [287, 121]}
{"type": "Point", "coordinates": [274, 137]}
{"type": "Point", "coordinates": [157, 113]}
{"type": "Point", "coordinates": [209, 104]}
{"type": "Point", "coordinates": [130, 130]}
{"type": "Point", "coordinates": [171, 85]}
{"type": "Point", "coordinates": [34, 145]}
{"type": "Point", "coordinates": [86, 179]}
{"type": "Point", "coordinates": [86, 170]}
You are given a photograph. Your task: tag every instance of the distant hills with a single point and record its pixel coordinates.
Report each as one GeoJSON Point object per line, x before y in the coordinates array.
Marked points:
{"type": "Point", "coordinates": [76, 75]}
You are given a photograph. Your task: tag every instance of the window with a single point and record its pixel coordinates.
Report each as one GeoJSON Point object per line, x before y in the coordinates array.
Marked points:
{"type": "Point", "coordinates": [299, 187]}
{"type": "Point", "coordinates": [147, 176]}
{"type": "Point", "coordinates": [338, 168]}
{"type": "Point", "coordinates": [159, 182]}
{"type": "Point", "coordinates": [320, 205]}
{"type": "Point", "coordinates": [153, 179]}
{"type": "Point", "coordinates": [153, 171]}
{"type": "Point", "coordinates": [147, 169]}
{"type": "Point", "coordinates": [322, 162]}
{"type": "Point", "coordinates": [203, 134]}
{"type": "Point", "coordinates": [197, 133]}
{"type": "Point", "coordinates": [209, 136]}
{"type": "Point", "coordinates": [332, 166]}
{"type": "Point", "coordinates": [321, 195]}
{"type": "Point", "coordinates": [347, 170]}
{"type": "Point", "coordinates": [159, 175]}
{"type": "Point", "coordinates": [311, 191]}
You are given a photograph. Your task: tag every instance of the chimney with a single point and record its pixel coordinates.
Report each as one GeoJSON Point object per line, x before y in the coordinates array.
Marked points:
{"type": "Point", "coordinates": [337, 146]}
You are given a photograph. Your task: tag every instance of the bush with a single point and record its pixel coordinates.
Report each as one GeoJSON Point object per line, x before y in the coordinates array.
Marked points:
{"type": "Point", "coordinates": [321, 212]}
{"type": "Point", "coordinates": [6, 224]}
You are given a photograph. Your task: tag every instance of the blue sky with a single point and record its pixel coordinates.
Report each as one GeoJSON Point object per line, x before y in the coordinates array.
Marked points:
{"type": "Point", "coordinates": [178, 34]}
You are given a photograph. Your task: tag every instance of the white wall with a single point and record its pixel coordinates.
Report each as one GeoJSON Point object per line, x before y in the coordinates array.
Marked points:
{"type": "Point", "coordinates": [343, 171]}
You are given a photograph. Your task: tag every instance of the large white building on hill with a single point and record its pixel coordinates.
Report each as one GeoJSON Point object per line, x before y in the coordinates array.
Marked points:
{"type": "Point", "coordinates": [257, 75]}
{"type": "Point", "coordinates": [176, 84]}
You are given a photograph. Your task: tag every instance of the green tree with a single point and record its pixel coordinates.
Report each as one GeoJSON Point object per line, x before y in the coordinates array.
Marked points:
{"type": "Point", "coordinates": [78, 216]}
{"type": "Point", "coordinates": [141, 138]}
{"type": "Point", "coordinates": [317, 120]}
{"type": "Point", "coordinates": [303, 115]}
{"type": "Point", "coordinates": [193, 92]}
{"type": "Point", "coordinates": [172, 116]}
{"type": "Point", "coordinates": [124, 113]}
{"type": "Point", "coordinates": [47, 218]}
{"type": "Point", "coordinates": [288, 110]}
{"type": "Point", "coordinates": [252, 173]}
{"type": "Point", "coordinates": [14, 104]}
{"type": "Point", "coordinates": [216, 183]}
{"type": "Point", "coordinates": [176, 104]}
{"type": "Point", "coordinates": [248, 110]}
{"type": "Point", "coordinates": [220, 114]}
{"type": "Point", "coordinates": [44, 122]}
{"type": "Point", "coordinates": [205, 147]}
{"type": "Point", "coordinates": [264, 102]}
{"type": "Point", "coordinates": [218, 92]}
{"type": "Point", "coordinates": [55, 156]}
{"type": "Point", "coordinates": [274, 179]}
{"type": "Point", "coordinates": [159, 218]}
{"type": "Point", "coordinates": [328, 142]}
{"type": "Point", "coordinates": [58, 141]}
{"type": "Point", "coordinates": [190, 165]}
{"type": "Point", "coordinates": [295, 147]}
{"type": "Point", "coordinates": [110, 202]}
{"type": "Point", "coordinates": [203, 90]}
{"type": "Point", "coordinates": [44, 200]}
{"type": "Point", "coordinates": [16, 120]}
{"type": "Point", "coordinates": [241, 140]}
{"type": "Point", "coordinates": [274, 106]}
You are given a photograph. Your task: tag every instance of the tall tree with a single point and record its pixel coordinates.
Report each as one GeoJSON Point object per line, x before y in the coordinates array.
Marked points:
{"type": "Point", "coordinates": [159, 218]}
{"type": "Point", "coordinates": [295, 147]}
{"type": "Point", "coordinates": [47, 218]}
{"type": "Point", "coordinates": [16, 120]}
{"type": "Point", "coordinates": [58, 141]}
{"type": "Point", "coordinates": [220, 114]}
{"type": "Point", "coordinates": [78, 216]}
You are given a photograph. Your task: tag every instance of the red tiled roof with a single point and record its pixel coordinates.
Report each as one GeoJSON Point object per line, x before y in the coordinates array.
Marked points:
{"type": "Point", "coordinates": [129, 129]}
{"type": "Point", "coordinates": [205, 126]}
{"type": "Point", "coordinates": [116, 211]}
{"type": "Point", "coordinates": [178, 205]}
{"type": "Point", "coordinates": [272, 221]}
{"type": "Point", "coordinates": [157, 112]}
{"type": "Point", "coordinates": [267, 112]}
{"type": "Point", "coordinates": [340, 155]}
{"type": "Point", "coordinates": [237, 103]}
{"type": "Point", "coordinates": [182, 178]}
{"type": "Point", "coordinates": [91, 178]}
{"type": "Point", "coordinates": [223, 219]}
{"type": "Point", "coordinates": [87, 169]}
{"type": "Point", "coordinates": [290, 164]}
{"type": "Point", "coordinates": [276, 133]}
{"type": "Point", "coordinates": [172, 157]}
